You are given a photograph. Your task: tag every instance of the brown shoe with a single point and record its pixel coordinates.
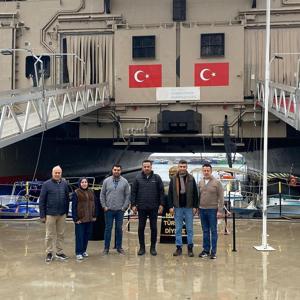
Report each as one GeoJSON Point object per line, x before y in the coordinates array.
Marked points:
{"type": "Point", "coordinates": [121, 251]}
{"type": "Point", "coordinates": [190, 251]}
{"type": "Point", "coordinates": [178, 251]}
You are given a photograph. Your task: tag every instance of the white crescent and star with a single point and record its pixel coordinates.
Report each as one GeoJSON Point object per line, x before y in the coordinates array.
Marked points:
{"type": "Point", "coordinates": [205, 78]}
{"type": "Point", "coordinates": [136, 76]}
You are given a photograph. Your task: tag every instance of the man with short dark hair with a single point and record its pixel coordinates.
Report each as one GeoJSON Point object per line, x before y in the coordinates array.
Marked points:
{"type": "Point", "coordinates": [54, 206]}
{"type": "Point", "coordinates": [147, 197]}
{"type": "Point", "coordinates": [114, 197]}
{"type": "Point", "coordinates": [183, 200]}
{"type": "Point", "coordinates": [211, 207]}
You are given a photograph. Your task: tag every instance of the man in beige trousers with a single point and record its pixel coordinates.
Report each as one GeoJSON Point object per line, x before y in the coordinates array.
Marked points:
{"type": "Point", "coordinates": [54, 205]}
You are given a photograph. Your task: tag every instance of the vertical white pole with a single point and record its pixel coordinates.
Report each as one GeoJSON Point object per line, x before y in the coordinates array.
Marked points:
{"type": "Point", "coordinates": [264, 244]}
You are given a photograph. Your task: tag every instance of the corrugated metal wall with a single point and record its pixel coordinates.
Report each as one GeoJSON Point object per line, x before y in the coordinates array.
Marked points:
{"type": "Point", "coordinates": [283, 40]}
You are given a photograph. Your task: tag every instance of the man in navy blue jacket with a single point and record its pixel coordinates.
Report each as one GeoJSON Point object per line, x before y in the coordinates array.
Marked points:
{"type": "Point", "coordinates": [54, 205]}
{"type": "Point", "coordinates": [147, 197]}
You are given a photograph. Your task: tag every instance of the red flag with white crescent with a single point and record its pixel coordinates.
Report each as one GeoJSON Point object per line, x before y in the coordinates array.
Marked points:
{"type": "Point", "coordinates": [212, 74]}
{"type": "Point", "coordinates": [145, 76]}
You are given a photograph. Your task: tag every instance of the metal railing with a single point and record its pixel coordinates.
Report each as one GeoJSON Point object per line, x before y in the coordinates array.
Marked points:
{"type": "Point", "coordinates": [24, 113]}
{"type": "Point", "coordinates": [283, 102]}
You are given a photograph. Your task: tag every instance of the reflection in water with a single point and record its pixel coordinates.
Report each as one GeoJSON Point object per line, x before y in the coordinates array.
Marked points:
{"type": "Point", "coordinates": [265, 274]}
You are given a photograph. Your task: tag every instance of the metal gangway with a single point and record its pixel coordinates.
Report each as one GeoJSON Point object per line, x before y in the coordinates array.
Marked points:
{"type": "Point", "coordinates": [24, 113]}
{"type": "Point", "coordinates": [283, 102]}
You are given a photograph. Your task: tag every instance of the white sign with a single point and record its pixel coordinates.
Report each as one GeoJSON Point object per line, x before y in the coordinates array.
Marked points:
{"type": "Point", "coordinates": [178, 94]}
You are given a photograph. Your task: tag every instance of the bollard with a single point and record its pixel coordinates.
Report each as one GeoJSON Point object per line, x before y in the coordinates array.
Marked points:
{"type": "Point", "coordinates": [233, 233]}
{"type": "Point", "coordinates": [27, 198]}
{"type": "Point", "coordinates": [128, 218]}
{"type": "Point", "coordinates": [279, 187]}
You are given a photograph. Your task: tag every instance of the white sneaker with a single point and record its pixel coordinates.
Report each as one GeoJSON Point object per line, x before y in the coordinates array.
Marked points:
{"type": "Point", "coordinates": [84, 254]}
{"type": "Point", "coordinates": [79, 257]}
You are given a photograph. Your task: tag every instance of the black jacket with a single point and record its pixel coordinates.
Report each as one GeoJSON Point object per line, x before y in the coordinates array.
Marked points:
{"type": "Point", "coordinates": [54, 198]}
{"type": "Point", "coordinates": [147, 193]}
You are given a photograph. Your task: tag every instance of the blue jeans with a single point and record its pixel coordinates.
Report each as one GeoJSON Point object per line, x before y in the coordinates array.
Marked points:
{"type": "Point", "coordinates": [82, 233]}
{"type": "Point", "coordinates": [186, 214]}
{"type": "Point", "coordinates": [110, 216]}
{"type": "Point", "coordinates": [209, 223]}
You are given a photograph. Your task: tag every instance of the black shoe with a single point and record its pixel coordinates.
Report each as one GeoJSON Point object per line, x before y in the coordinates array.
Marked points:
{"type": "Point", "coordinates": [105, 252]}
{"type": "Point", "coordinates": [142, 251]}
{"type": "Point", "coordinates": [121, 251]}
{"type": "Point", "coordinates": [49, 257]}
{"type": "Point", "coordinates": [178, 251]}
{"type": "Point", "coordinates": [153, 251]}
{"type": "Point", "coordinates": [213, 256]}
{"type": "Point", "coordinates": [61, 256]}
{"type": "Point", "coordinates": [190, 251]}
{"type": "Point", "coordinates": [203, 254]}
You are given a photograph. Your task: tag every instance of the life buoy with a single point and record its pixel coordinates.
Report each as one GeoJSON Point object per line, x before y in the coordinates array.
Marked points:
{"type": "Point", "coordinates": [227, 176]}
{"type": "Point", "coordinates": [293, 181]}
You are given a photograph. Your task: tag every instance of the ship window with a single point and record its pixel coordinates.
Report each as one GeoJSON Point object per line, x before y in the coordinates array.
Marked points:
{"type": "Point", "coordinates": [143, 46]}
{"type": "Point", "coordinates": [29, 68]}
{"type": "Point", "coordinates": [212, 44]}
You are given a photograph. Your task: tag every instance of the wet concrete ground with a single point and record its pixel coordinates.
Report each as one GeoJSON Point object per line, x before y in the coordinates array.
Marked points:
{"type": "Point", "coordinates": [245, 274]}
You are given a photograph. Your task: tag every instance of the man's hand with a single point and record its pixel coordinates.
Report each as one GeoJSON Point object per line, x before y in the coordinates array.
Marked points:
{"type": "Point", "coordinates": [94, 219]}
{"type": "Point", "coordinates": [195, 211]}
{"type": "Point", "coordinates": [134, 209]}
{"type": "Point", "coordinates": [105, 209]}
{"type": "Point", "coordinates": [171, 211]}
{"type": "Point", "coordinates": [43, 220]}
{"type": "Point", "coordinates": [78, 222]}
{"type": "Point", "coordinates": [160, 209]}
{"type": "Point", "coordinates": [219, 215]}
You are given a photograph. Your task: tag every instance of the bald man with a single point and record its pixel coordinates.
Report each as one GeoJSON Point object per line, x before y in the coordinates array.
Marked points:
{"type": "Point", "coordinates": [54, 205]}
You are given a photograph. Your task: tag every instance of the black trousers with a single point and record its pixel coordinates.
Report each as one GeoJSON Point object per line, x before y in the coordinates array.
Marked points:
{"type": "Point", "coordinates": [143, 215]}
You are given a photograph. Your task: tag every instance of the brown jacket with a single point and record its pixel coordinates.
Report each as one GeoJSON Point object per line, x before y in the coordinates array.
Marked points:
{"type": "Point", "coordinates": [85, 205]}
{"type": "Point", "coordinates": [192, 198]}
{"type": "Point", "coordinates": [211, 194]}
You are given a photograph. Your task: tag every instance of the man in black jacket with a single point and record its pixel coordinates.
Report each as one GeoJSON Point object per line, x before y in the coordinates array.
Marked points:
{"type": "Point", "coordinates": [147, 197]}
{"type": "Point", "coordinates": [54, 205]}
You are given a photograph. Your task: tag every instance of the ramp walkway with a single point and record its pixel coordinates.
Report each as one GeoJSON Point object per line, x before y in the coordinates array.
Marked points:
{"type": "Point", "coordinates": [24, 113]}
{"type": "Point", "coordinates": [283, 102]}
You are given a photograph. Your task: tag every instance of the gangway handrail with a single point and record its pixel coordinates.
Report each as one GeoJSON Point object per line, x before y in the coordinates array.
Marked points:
{"type": "Point", "coordinates": [23, 114]}
{"type": "Point", "coordinates": [283, 102]}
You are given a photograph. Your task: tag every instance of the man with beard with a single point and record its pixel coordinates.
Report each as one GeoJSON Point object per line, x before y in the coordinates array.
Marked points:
{"type": "Point", "coordinates": [147, 197]}
{"type": "Point", "coordinates": [183, 201]}
{"type": "Point", "coordinates": [115, 199]}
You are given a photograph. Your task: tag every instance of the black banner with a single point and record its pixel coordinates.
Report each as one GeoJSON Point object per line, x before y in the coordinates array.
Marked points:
{"type": "Point", "coordinates": [167, 230]}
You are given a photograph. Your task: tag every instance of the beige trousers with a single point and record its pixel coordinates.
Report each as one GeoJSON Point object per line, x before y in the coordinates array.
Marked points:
{"type": "Point", "coordinates": [55, 230]}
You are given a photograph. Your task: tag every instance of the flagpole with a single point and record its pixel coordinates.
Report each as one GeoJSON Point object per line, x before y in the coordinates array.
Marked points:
{"type": "Point", "coordinates": [264, 243]}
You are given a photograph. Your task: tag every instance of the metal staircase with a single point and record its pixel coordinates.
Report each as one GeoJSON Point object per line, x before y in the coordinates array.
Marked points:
{"type": "Point", "coordinates": [283, 102]}
{"type": "Point", "coordinates": [24, 113]}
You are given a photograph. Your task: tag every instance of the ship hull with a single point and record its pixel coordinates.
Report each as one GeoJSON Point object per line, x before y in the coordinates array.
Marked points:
{"type": "Point", "coordinates": [76, 157]}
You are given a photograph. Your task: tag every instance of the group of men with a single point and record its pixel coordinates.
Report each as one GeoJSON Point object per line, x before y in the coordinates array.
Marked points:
{"type": "Point", "coordinates": [147, 198]}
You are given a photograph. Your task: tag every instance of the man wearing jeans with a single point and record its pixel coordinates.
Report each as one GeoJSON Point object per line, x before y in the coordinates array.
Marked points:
{"type": "Point", "coordinates": [114, 197]}
{"type": "Point", "coordinates": [184, 201]}
{"type": "Point", "coordinates": [54, 205]}
{"type": "Point", "coordinates": [211, 207]}
{"type": "Point", "coordinates": [147, 197]}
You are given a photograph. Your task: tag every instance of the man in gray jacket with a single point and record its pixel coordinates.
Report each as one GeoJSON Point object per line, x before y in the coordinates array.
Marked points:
{"type": "Point", "coordinates": [114, 197]}
{"type": "Point", "coordinates": [54, 205]}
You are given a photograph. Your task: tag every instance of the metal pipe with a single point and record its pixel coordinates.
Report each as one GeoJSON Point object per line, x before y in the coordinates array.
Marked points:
{"type": "Point", "coordinates": [279, 183]}
{"type": "Point", "coordinates": [264, 242]}
{"type": "Point", "coordinates": [52, 20]}
{"type": "Point", "coordinates": [233, 233]}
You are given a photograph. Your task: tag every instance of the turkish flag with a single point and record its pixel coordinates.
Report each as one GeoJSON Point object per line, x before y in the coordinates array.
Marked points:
{"type": "Point", "coordinates": [212, 74]}
{"type": "Point", "coordinates": [145, 76]}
